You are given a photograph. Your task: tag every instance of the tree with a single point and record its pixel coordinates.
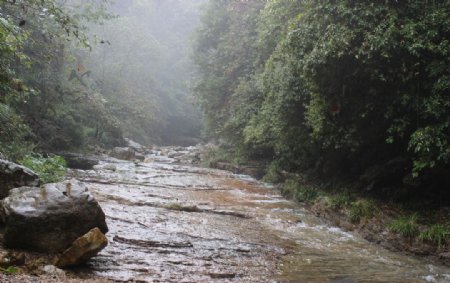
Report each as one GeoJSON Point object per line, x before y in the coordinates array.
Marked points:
{"type": "Point", "coordinates": [334, 86]}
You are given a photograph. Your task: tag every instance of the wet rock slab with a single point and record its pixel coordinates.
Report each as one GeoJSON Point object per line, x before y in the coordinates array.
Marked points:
{"type": "Point", "coordinates": [180, 223]}
{"type": "Point", "coordinates": [50, 218]}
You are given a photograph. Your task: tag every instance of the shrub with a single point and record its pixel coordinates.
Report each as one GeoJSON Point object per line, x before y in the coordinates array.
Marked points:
{"type": "Point", "coordinates": [407, 226]}
{"type": "Point", "coordinates": [289, 188]}
{"type": "Point", "coordinates": [306, 194]}
{"type": "Point", "coordinates": [340, 200]}
{"type": "Point", "coordinates": [437, 233]}
{"type": "Point", "coordinates": [212, 155]}
{"type": "Point", "coordinates": [361, 209]}
{"type": "Point", "coordinates": [50, 169]}
{"type": "Point", "coordinates": [294, 189]}
{"type": "Point", "coordinates": [273, 173]}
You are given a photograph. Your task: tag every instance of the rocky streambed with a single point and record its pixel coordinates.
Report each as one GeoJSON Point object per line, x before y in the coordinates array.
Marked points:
{"type": "Point", "coordinates": [181, 223]}
{"type": "Point", "coordinates": [170, 222]}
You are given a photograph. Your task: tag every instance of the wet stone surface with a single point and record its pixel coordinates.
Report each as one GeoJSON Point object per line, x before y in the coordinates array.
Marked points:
{"type": "Point", "coordinates": [180, 223]}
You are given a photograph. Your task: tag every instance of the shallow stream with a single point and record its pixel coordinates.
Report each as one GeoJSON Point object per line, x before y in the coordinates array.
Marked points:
{"type": "Point", "coordinates": [181, 223]}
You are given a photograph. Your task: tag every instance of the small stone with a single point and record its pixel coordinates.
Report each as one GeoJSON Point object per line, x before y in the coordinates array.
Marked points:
{"type": "Point", "coordinates": [83, 248]}
{"type": "Point", "coordinates": [53, 270]}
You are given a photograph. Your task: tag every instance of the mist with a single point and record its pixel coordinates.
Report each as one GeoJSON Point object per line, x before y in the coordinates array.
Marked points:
{"type": "Point", "coordinates": [224, 140]}
{"type": "Point", "coordinates": [140, 64]}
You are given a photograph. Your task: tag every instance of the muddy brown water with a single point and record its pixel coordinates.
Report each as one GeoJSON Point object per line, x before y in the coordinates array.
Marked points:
{"type": "Point", "coordinates": [180, 223]}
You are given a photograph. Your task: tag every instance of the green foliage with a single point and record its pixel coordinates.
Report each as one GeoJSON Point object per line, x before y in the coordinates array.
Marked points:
{"type": "Point", "coordinates": [300, 192]}
{"type": "Point", "coordinates": [224, 49]}
{"type": "Point", "coordinates": [438, 234]}
{"type": "Point", "coordinates": [407, 226]}
{"type": "Point", "coordinates": [212, 155]}
{"type": "Point", "coordinates": [53, 114]}
{"type": "Point", "coordinates": [328, 84]}
{"type": "Point", "coordinates": [360, 209]}
{"type": "Point", "coordinates": [307, 194]}
{"type": "Point", "coordinates": [289, 188]}
{"type": "Point", "coordinates": [273, 173]}
{"type": "Point", "coordinates": [10, 270]}
{"type": "Point", "coordinates": [49, 169]}
{"type": "Point", "coordinates": [340, 200]}
{"type": "Point", "coordinates": [14, 134]}
{"type": "Point", "coordinates": [432, 146]}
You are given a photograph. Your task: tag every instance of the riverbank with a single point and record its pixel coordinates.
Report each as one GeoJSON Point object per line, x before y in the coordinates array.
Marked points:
{"type": "Point", "coordinates": [379, 227]}
{"type": "Point", "coordinates": [387, 224]}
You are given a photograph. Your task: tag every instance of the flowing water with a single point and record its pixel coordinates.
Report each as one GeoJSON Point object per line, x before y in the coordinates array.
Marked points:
{"type": "Point", "coordinates": [180, 223]}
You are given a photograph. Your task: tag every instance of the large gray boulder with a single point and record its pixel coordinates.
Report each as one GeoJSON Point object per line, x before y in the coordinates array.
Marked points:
{"type": "Point", "coordinates": [50, 218]}
{"type": "Point", "coordinates": [13, 175]}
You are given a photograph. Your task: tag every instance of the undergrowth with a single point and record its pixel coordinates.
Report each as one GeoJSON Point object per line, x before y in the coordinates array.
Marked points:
{"type": "Point", "coordinates": [407, 226]}
{"type": "Point", "coordinates": [212, 155]}
{"type": "Point", "coordinates": [49, 169]}
{"type": "Point", "coordinates": [362, 208]}
{"type": "Point", "coordinates": [9, 270]}
{"type": "Point", "coordinates": [340, 200]}
{"type": "Point", "coordinates": [273, 173]}
{"type": "Point", "coordinates": [438, 234]}
{"type": "Point", "coordinates": [300, 192]}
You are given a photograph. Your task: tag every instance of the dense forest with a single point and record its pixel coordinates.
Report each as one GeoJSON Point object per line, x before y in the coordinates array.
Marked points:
{"type": "Point", "coordinates": [341, 90]}
{"type": "Point", "coordinates": [78, 75]}
{"type": "Point", "coordinates": [354, 94]}
{"type": "Point", "coordinates": [224, 140]}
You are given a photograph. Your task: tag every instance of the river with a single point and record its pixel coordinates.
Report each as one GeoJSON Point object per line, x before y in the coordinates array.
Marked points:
{"type": "Point", "coordinates": [181, 223]}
